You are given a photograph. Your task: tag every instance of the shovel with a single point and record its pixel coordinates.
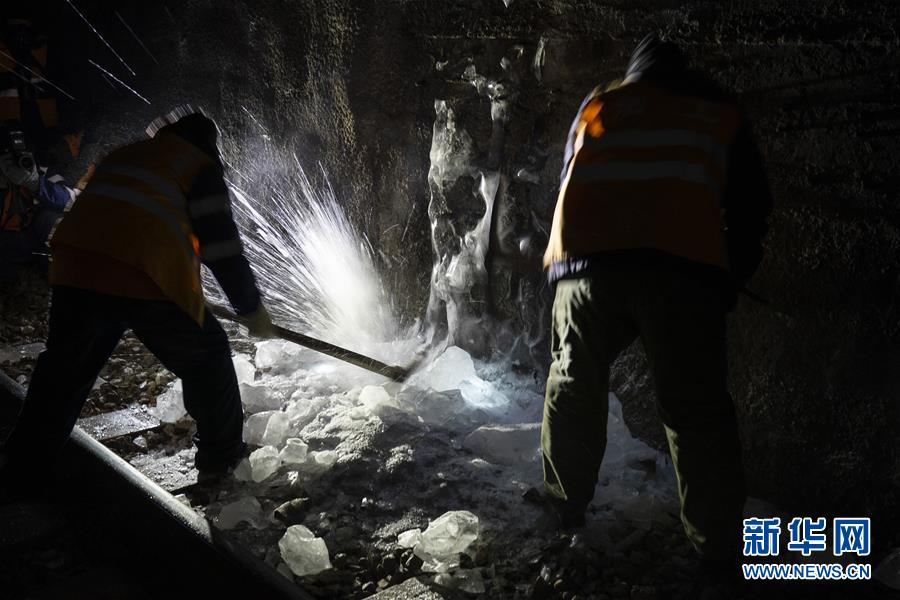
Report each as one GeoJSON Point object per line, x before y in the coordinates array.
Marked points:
{"type": "Point", "coordinates": [397, 373]}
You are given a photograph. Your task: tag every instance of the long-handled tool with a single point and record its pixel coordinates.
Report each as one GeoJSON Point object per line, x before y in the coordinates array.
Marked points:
{"type": "Point", "coordinates": [394, 372]}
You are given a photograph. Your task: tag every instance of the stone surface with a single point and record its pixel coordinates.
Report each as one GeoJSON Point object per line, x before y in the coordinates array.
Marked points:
{"type": "Point", "coordinates": [115, 424]}
{"type": "Point", "coordinates": [411, 589]}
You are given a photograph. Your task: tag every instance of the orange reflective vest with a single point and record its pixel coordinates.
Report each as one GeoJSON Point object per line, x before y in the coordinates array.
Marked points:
{"type": "Point", "coordinates": [134, 211]}
{"type": "Point", "coordinates": [647, 171]}
{"type": "Point", "coordinates": [13, 76]}
{"type": "Point", "coordinates": [17, 209]}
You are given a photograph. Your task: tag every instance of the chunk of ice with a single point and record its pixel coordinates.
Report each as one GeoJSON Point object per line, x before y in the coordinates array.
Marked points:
{"type": "Point", "coordinates": [377, 401]}
{"type": "Point", "coordinates": [373, 395]}
{"type": "Point", "coordinates": [264, 462]}
{"type": "Point", "coordinates": [324, 458]}
{"type": "Point", "coordinates": [257, 398]}
{"type": "Point", "coordinates": [447, 371]}
{"type": "Point", "coordinates": [448, 535]}
{"type": "Point", "coordinates": [276, 430]}
{"type": "Point", "coordinates": [409, 539]}
{"type": "Point", "coordinates": [433, 408]}
{"type": "Point", "coordinates": [294, 452]}
{"type": "Point", "coordinates": [255, 427]}
{"type": "Point", "coordinates": [245, 509]}
{"type": "Point", "coordinates": [505, 444]}
{"type": "Point", "coordinates": [478, 392]}
{"type": "Point", "coordinates": [303, 552]}
{"type": "Point", "coordinates": [243, 368]}
{"type": "Point", "coordinates": [277, 356]}
{"type": "Point", "coordinates": [302, 411]}
{"type": "Point", "coordinates": [170, 404]}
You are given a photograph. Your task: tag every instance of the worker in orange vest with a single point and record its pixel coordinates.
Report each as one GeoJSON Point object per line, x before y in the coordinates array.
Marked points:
{"type": "Point", "coordinates": [661, 211]}
{"type": "Point", "coordinates": [127, 255]}
{"type": "Point", "coordinates": [33, 192]}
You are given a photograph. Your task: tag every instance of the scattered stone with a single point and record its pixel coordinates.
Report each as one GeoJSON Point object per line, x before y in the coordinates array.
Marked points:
{"type": "Point", "coordinates": [292, 512]}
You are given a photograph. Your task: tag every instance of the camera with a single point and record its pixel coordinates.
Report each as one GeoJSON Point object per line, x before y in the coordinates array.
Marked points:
{"type": "Point", "coordinates": [14, 141]}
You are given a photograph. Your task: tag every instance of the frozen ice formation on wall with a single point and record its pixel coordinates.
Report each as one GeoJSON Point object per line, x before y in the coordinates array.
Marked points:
{"type": "Point", "coordinates": [443, 540]}
{"type": "Point", "coordinates": [170, 404]}
{"type": "Point", "coordinates": [303, 552]}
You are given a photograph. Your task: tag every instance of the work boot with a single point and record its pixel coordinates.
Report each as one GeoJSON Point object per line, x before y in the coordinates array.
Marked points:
{"type": "Point", "coordinates": [215, 473]}
{"type": "Point", "coordinates": [563, 515]}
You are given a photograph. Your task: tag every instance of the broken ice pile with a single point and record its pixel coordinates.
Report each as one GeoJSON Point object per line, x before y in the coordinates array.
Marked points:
{"type": "Point", "coordinates": [441, 543]}
{"type": "Point", "coordinates": [170, 404]}
{"type": "Point", "coordinates": [303, 552]}
{"type": "Point", "coordinates": [277, 356]}
{"type": "Point", "coordinates": [454, 369]}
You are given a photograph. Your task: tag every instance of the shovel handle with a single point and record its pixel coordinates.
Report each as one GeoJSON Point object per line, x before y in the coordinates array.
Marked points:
{"type": "Point", "coordinates": [349, 356]}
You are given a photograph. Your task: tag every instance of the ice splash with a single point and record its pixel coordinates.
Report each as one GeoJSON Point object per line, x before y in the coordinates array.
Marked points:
{"type": "Point", "coordinates": [317, 273]}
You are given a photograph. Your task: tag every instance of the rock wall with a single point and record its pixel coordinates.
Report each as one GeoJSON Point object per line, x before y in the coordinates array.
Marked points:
{"type": "Point", "coordinates": [815, 375]}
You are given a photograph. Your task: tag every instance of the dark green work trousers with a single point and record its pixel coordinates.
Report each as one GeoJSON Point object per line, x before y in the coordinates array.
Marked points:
{"type": "Point", "coordinates": [681, 321]}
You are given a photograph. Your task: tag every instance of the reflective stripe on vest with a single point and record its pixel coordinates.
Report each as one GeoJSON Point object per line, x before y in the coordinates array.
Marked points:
{"type": "Point", "coordinates": [656, 139]}
{"type": "Point", "coordinates": [164, 187]}
{"type": "Point", "coordinates": [647, 171]}
{"type": "Point", "coordinates": [151, 205]}
{"type": "Point", "coordinates": [627, 171]}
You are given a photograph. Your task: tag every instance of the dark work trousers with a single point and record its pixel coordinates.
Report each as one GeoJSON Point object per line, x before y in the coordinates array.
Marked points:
{"type": "Point", "coordinates": [681, 322]}
{"type": "Point", "coordinates": [85, 327]}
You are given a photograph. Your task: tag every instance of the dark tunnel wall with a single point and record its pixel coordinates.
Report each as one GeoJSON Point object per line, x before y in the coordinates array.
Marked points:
{"type": "Point", "coordinates": [815, 376]}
